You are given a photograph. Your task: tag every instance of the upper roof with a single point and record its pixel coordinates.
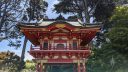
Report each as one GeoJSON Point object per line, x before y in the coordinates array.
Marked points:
{"type": "Point", "coordinates": [34, 31]}
{"type": "Point", "coordinates": [48, 23]}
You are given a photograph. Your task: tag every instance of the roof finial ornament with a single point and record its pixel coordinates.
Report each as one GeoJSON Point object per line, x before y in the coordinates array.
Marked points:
{"type": "Point", "coordinates": [60, 17]}
{"type": "Point", "coordinates": [80, 21]}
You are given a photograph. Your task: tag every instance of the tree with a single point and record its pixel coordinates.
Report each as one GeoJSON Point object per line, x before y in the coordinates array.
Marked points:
{"type": "Point", "coordinates": [119, 32]}
{"type": "Point", "coordinates": [9, 60]}
{"type": "Point", "coordinates": [35, 11]}
{"type": "Point", "coordinates": [112, 56]}
{"type": "Point", "coordinates": [14, 12]}
{"type": "Point", "coordinates": [99, 9]}
{"type": "Point", "coordinates": [23, 54]}
{"type": "Point", "coordinates": [6, 11]}
{"type": "Point", "coordinates": [11, 13]}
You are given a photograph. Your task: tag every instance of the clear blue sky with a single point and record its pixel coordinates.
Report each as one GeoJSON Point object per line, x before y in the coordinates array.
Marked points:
{"type": "Point", "coordinates": [4, 44]}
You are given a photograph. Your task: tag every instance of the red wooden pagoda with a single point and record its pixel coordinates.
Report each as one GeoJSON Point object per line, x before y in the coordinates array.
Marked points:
{"type": "Point", "coordinates": [59, 43]}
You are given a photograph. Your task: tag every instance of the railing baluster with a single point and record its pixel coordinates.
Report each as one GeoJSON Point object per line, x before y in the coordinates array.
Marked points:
{"type": "Point", "coordinates": [65, 48]}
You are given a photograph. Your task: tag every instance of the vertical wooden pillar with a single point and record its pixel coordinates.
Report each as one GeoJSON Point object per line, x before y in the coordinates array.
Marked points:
{"type": "Point", "coordinates": [75, 68]}
{"type": "Point", "coordinates": [54, 47]}
{"type": "Point", "coordinates": [70, 44]}
{"type": "Point", "coordinates": [83, 67]}
{"type": "Point", "coordinates": [78, 66]}
{"type": "Point", "coordinates": [70, 40]}
{"type": "Point", "coordinates": [78, 44]}
{"type": "Point", "coordinates": [49, 42]}
{"type": "Point", "coordinates": [41, 67]}
{"type": "Point", "coordinates": [41, 44]}
{"type": "Point", "coordinates": [67, 45]}
{"type": "Point", "coordinates": [38, 67]}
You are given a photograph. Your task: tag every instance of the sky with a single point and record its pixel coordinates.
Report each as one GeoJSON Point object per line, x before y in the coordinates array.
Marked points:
{"type": "Point", "coordinates": [49, 11]}
{"type": "Point", "coordinates": [4, 48]}
{"type": "Point", "coordinates": [4, 44]}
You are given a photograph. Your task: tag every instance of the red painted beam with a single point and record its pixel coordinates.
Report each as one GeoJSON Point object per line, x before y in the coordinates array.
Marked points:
{"type": "Point", "coordinates": [60, 61]}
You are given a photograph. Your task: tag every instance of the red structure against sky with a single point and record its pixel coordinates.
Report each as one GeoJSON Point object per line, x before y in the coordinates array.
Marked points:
{"type": "Point", "coordinates": [58, 42]}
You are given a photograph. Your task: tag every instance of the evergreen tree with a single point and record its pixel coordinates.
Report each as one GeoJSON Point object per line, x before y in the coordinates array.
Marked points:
{"type": "Point", "coordinates": [112, 56]}
{"type": "Point", "coordinates": [85, 9]}
{"type": "Point", "coordinates": [9, 60]}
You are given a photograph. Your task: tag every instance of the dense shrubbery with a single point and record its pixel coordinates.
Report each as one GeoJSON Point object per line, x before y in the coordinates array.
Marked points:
{"type": "Point", "coordinates": [113, 55]}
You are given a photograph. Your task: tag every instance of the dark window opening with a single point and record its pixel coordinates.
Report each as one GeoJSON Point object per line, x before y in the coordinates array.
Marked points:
{"type": "Point", "coordinates": [74, 45]}
{"type": "Point", "coordinates": [60, 46]}
{"type": "Point", "coordinates": [45, 47]}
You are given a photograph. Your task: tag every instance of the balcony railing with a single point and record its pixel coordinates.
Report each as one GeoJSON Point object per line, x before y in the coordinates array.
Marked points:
{"type": "Point", "coordinates": [64, 48]}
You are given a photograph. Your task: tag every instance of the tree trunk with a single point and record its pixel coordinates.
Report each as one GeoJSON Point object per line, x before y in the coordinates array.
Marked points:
{"type": "Point", "coordinates": [3, 17]}
{"type": "Point", "coordinates": [87, 17]}
{"type": "Point", "coordinates": [23, 54]}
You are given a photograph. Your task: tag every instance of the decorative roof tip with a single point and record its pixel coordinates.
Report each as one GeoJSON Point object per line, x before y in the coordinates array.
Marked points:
{"type": "Point", "coordinates": [80, 22]}
{"type": "Point", "coordinates": [60, 17]}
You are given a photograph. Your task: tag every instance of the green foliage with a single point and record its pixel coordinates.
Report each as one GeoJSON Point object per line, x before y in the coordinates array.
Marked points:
{"type": "Point", "coordinates": [100, 9]}
{"type": "Point", "coordinates": [106, 59]}
{"type": "Point", "coordinates": [113, 55]}
{"type": "Point", "coordinates": [120, 17]}
{"type": "Point", "coordinates": [119, 33]}
{"type": "Point", "coordinates": [30, 65]}
{"type": "Point", "coordinates": [120, 13]}
{"type": "Point", "coordinates": [10, 61]}
{"type": "Point", "coordinates": [36, 10]}
{"type": "Point", "coordinates": [104, 10]}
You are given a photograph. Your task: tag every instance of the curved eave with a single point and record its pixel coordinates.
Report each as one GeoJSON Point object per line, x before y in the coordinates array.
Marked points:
{"type": "Point", "coordinates": [32, 38]}
{"type": "Point", "coordinates": [89, 36]}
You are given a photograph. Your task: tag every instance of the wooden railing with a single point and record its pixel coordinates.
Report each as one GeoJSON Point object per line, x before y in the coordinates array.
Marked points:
{"type": "Point", "coordinates": [55, 48]}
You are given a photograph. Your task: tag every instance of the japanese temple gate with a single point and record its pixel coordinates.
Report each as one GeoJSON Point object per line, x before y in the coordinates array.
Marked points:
{"type": "Point", "coordinates": [60, 43]}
